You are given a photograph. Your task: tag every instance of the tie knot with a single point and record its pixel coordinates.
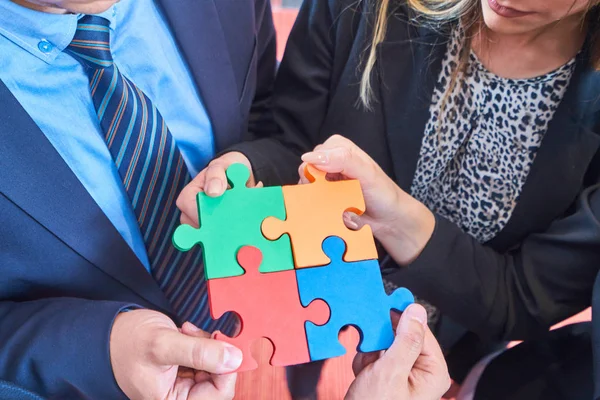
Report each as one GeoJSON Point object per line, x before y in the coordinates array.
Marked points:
{"type": "Point", "coordinates": [91, 43]}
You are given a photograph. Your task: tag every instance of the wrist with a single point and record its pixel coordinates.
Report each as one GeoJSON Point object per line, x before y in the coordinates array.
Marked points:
{"type": "Point", "coordinates": [408, 229]}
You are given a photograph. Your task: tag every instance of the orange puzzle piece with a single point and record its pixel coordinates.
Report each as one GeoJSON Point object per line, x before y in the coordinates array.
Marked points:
{"type": "Point", "coordinates": [314, 212]}
{"type": "Point", "coordinates": [269, 306]}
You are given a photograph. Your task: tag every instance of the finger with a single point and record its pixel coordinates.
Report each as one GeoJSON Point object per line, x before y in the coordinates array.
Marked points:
{"type": "Point", "coordinates": [395, 319]}
{"type": "Point", "coordinates": [336, 140]}
{"type": "Point", "coordinates": [408, 344]}
{"type": "Point", "coordinates": [216, 179]}
{"type": "Point", "coordinates": [353, 221]}
{"type": "Point", "coordinates": [200, 353]}
{"type": "Point", "coordinates": [217, 387]}
{"type": "Point", "coordinates": [259, 184]}
{"type": "Point", "coordinates": [184, 219]}
{"type": "Point", "coordinates": [192, 330]}
{"type": "Point", "coordinates": [202, 376]}
{"type": "Point", "coordinates": [431, 368]}
{"type": "Point", "coordinates": [225, 384]}
{"type": "Point", "coordinates": [347, 159]}
{"type": "Point", "coordinates": [186, 201]}
{"type": "Point", "coordinates": [303, 179]}
{"type": "Point", "coordinates": [431, 347]}
{"type": "Point", "coordinates": [361, 360]}
{"type": "Point", "coordinates": [301, 171]}
{"type": "Point", "coordinates": [186, 373]}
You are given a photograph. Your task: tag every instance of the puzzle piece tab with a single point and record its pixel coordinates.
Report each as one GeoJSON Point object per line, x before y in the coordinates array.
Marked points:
{"type": "Point", "coordinates": [356, 296]}
{"type": "Point", "coordinates": [234, 220]}
{"type": "Point", "coordinates": [314, 212]}
{"type": "Point", "coordinates": [268, 306]}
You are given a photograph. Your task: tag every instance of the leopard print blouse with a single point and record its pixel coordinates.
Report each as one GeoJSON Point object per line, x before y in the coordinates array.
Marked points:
{"type": "Point", "coordinates": [475, 158]}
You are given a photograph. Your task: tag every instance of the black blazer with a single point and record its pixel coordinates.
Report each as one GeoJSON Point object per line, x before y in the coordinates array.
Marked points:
{"type": "Point", "coordinates": [541, 267]}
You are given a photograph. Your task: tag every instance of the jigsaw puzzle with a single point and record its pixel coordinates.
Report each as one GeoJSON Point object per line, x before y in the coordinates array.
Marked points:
{"type": "Point", "coordinates": [268, 306]}
{"type": "Point", "coordinates": [234, 220]}
{"type": "Point", "coordinates": [356, 296]}
{"type": "Point", "coordinates": [297, 291]}
{"type": "Point", "coordinates": [314, 212]}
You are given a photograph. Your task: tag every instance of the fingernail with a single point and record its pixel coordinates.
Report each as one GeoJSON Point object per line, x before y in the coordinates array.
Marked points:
{"type": "Point", "coordinates": [214, 187]}
{"type": "Point", "coordinates": [351, 220]}
{"type": "Point", "coordinates": [413, 312]}
{"type": "Point", "coordinates": [233, 357]}
{"type": "Point", "coordinates": [315, 157]}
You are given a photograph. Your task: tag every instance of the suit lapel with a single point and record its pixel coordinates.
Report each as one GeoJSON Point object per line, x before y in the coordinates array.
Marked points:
{"type": "Point", "coordinates": [557, 173]}
{"type": "Point", "coordinates": [199, 33]}
{"type": "Point", "coordinates": [409, 65]}
{"type": "Point", "coordinates": [36, 178]}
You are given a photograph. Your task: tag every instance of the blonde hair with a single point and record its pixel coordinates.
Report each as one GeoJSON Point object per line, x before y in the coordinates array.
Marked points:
{"type": "Point", "coordinates": [436, 13]}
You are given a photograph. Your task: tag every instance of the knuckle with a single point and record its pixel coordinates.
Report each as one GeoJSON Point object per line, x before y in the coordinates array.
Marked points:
{"type": "Point", "coordinates": [413, 341]}
{"type": "Point", "coordinates": [199, 357]}
{"type": "Point", "coordinates": [180, 200]}
{"type": "Point", "coordinates": [346, 154]}
{"type": "Point", "coordinates": [213, 169]}
{"type": "Point", "coordinates": [336, 137]}
{"type": "Point", "coordinates": [207, 357]}
{"type": "Point", "coordinates": [156, 347]}
{"type": "Point", "coordinates": [229, 393]}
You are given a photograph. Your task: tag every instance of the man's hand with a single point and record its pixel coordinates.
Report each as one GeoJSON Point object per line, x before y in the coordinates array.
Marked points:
{"type": "Point", "coordinates": [212, 181]}
{"type": "Point", "coordinates": [152, 359]}
{"type": "Point", "coordinates": [413, 368]}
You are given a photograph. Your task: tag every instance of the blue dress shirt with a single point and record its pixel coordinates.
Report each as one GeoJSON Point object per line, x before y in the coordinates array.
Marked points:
{"type": "Point", "coordinates": [53, 88]}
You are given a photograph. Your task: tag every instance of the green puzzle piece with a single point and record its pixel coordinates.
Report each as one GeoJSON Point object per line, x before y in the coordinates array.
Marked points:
{"type": "Point", "coordinates": [234, 220]}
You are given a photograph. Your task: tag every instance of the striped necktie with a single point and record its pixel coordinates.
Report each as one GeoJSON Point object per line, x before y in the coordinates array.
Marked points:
{"type": "Point", "coordinates": [152, 169]}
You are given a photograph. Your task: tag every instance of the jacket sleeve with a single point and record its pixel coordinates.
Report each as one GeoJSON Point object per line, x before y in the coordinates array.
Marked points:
{"type": "Point", "coordinates": [513, 295]}
{"type": "Point", "coordinates": [260, 121]}
{"type": "Point", "coordinates": [59, 348]}
{"type": "Point", "coordinates": [305, 71]}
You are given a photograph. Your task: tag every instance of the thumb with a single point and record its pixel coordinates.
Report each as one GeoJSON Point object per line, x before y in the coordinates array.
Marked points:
{"type": "Point", "coordinates": [408, 344]}
{"type": "Point", "coordinates": [199, 353]}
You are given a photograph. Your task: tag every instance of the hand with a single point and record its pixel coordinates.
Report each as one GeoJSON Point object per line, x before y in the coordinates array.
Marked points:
{"type": "Point", "coordinates": [71, 6]}
{"type": "Point", "coordinates": [413, 368]}
{"type": "Point", "coordinates": [211, 180]}
{"type": "Point", "coordinates": [402, 224]}
{"type": "Point", "coordinates": [152, 359]}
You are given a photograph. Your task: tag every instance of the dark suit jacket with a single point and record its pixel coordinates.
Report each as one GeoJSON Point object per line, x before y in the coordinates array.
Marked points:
{"type": "Point", "coordinates": [65, 272]}
{"type": "Point", "coordinates": [541, 267]}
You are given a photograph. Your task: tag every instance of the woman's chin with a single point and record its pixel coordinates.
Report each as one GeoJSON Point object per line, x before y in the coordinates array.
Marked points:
{"type": "Point", "coordinates": [506, 26]}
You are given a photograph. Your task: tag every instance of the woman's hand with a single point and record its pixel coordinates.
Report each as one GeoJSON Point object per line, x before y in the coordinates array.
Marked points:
{"type": "Point", "coordinates": [211, 180]}
{"type": "Point", "coordinates": [402, 224]}
{"type": "Point", "coordinates": [413, 368]}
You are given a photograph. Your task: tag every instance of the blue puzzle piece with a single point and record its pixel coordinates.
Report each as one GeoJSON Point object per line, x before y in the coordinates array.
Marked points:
{"type": "Point", "coordinates": [355, 294]}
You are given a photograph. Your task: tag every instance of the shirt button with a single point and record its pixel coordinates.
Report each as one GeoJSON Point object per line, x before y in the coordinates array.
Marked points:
{"type": "Point", "coordinates": [114, 11]}
{"type": "Point", "coordinates": [45, 46]}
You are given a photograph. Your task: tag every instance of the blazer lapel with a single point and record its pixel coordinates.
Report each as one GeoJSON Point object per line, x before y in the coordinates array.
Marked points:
{"type": "Point", "coordinates": [557, 173]}
{"type": "Point", "coordinates": [36, 178]}
{"type": "Point", "coordinates": [556, 176]}
{"type": "Point", "coordinates": [409, 63]}
{"type": "Point", "coordinates": [199, 33]}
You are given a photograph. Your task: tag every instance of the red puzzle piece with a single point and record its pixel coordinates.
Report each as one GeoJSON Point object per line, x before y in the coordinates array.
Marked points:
{"type": "Point", "coordinates": [268, 305]}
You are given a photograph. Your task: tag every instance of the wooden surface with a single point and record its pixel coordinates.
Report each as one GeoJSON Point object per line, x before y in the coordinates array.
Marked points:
{"type": "Point", "coordinates": [268, 383]}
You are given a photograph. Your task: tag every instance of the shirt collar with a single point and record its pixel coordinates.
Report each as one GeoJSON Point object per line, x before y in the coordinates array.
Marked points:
{"type": "Point", "coordinates": [44, 35]}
